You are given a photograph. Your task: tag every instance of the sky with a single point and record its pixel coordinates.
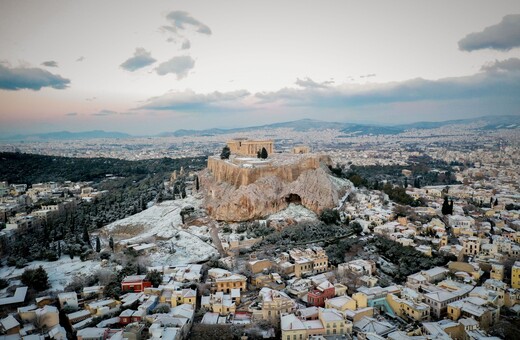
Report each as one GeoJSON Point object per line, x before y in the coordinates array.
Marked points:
{"type": "Point", "coordinates": [145, 67]}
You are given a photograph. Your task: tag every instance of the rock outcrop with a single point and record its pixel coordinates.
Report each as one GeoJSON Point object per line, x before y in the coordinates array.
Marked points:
{"type": "Point", "coordinates": [239, 193]}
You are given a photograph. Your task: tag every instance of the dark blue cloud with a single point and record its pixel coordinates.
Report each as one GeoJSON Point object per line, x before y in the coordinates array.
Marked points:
{"type": "Point", "coordinates": [141, 58]}
{"type": "Point", "coordinates": [502, 36]}
{"type": "Point", "coordinates": [19, 78]}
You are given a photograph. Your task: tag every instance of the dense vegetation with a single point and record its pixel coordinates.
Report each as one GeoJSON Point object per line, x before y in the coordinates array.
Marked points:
{"type": "Point", "coordinates": [143, 182]}
{"type": "Point", "coordinates": [407, 259]}
{"type": "Point", "coordinates": [29, 168]}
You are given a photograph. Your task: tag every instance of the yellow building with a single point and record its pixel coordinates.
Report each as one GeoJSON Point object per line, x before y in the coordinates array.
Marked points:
{"type": "Point", "coordinates": [515, 275]}
{"type": "Point", "coordinates": [341, 303]}
{"type": "Point", "coordinates": [407, 308]}
{"type": "Point", "coordinates": [221, 303]}
{"type": "Point", "coordinates": [226, 283]}
{"type": "Point", "coordinates": [361, 299]}
{"type": "Point", "coordinates": [179, 297]}
{"type": "Point", "coordinates": [497, 272]}
{"type": "Point", "coordinates": [293, 328]}
{"type": "Point", "coordinates": [334, 322]}
{"type": "Point", "coordinates": [309, 261]}
{"type": "Point", "coordinates": [474, 308]}
{"type": "Point", "coordinates": [275, 304]}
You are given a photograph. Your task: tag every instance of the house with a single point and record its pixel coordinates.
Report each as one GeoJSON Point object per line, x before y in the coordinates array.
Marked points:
{"type": "Point", "coordinates": [476, 308]}
{"type": "Point", "coordinates": [329, 322]}
{"type": "Point", "coordinates": [439, 299]}
{"type": "Point", "coordinates": [318, 296]}
{"type": "Point", "coordinates": [341, 303]}
{"type": "Point", "coordinates": [309, 261]}
{"type": "Point", "coordinates": [333, 322]}
{"type": "Point", "coordinates": [17, 299]}
{"type": "Point", "coordinates": [219, 303]}
{"type": "Point", "coordinates": [135, 283]}
{"type": "Point", "coordinates": [179, 297]}
{"type": "Point", "coordinates": [92, 333]}
{"type": "Point", "coordinates": [47, 317]}
{"type": "Point", "coordinates": [408, 308]}
{"type": "Point", "coordinates": [257, 266]}
{"type": "Point", "coordinates": [497, 272]}
{"type": "Point", "coordinates": [357, 267]}
{"type": "Point", "coordinates": [68, 300]}
{"type": "Point", "coordinates": [515, 275]}
{"type": "Point", "coordinates": [9, 325]}
{"type": "Point", "coordinates": [368, 325]}
{"type": "Point", "coordinates": [102, 307]}
{"type": "Point", "coordinates": [226, 283]}
{"type": "Point", "coordinates": [273, 304]}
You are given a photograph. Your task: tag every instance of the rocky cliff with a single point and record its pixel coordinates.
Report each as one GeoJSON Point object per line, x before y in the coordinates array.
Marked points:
{"type": "Point", "coordinates": [238, 193]}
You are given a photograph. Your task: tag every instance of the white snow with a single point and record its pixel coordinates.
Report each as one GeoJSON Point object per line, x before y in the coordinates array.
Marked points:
{"type": "Point", "coordinates": [163, 223]}
{"type": "Point", "coordinates": [60, 273]}
{"type": "Point", "coordinates": [294, 211]}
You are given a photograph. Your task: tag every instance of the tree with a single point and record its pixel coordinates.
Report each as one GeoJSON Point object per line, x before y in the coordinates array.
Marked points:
{"type": "Point", "coordinates": [86, 237]}
{"type": "Point", "coordinates": [111, 243]}
{"type": "Point", "coordinates": [36, 279]}
{"type": "Point", "coordinates": [451, 207]}
{"type": "Point", "coordinates": [356, 227]}
{"type": "Point", "coordinates": [98, 244]}
{"type": "Point", "coordinates": [197, 183]}
{"type": "Point", "coordinates": [155, 277]}
{"type": "Point", "coordinates": [263, 153]}
{"type": "Point", "coordinates": [406, 182]}
{"type": "Point", "coordinates": [329, 216]}
{"type": "Point", "coordinates": [259, 154]}
{"type": "Point", "coordinates": [225, 153]}
{"type": "Point", "coordinates": [445, 206]}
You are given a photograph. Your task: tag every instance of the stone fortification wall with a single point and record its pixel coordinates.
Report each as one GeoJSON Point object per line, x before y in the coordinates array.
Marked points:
{"type": "Point", "coordinates": [248, 173]}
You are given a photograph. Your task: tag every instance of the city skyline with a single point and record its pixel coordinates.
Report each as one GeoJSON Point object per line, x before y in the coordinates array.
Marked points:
{"type": "Point", "coordinates": [146, 68]}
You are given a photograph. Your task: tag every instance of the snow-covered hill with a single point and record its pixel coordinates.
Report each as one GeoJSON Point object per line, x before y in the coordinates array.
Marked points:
{"type": "Point", "coordinates": [161, 224]}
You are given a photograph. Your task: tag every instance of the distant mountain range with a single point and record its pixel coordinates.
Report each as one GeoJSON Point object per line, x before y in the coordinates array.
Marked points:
{"type": "Point", "coordinates": [489, 123]}
{"type": "Point", "coordinates": [66, 135]}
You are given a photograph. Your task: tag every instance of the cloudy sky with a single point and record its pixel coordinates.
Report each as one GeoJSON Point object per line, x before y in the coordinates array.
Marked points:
{"type": "Point", "coordinates": [146, 67]}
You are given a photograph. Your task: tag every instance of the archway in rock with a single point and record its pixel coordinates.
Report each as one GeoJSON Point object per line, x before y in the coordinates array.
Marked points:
{"type": "Point", "coordinates": [293, 198]}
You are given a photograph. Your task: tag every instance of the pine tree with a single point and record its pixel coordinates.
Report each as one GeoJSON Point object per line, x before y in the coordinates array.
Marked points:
{"type": "Point", "coordinates": [225, 153]}
{"type": "Point", "coordinates": [111, 243]}
{"type": "Point", "coordinates": [406, 182]}
{"type": "Point", "coordinates": [59, 249]}
{"type": "Point", "coordinates": [36, 278]}
{"type": "Point", "coordinates": [197, 183]}
{"type": "Point", "coordinates": [496, 202]}
{"type": "Point", "coordinates": [264, 153]}
{"type": "Point", "coordinates": [445, 206]}
{"type": "Point", "coordinates": [86, 237]}
{"type": "Point", "coordinates": [98, 244]}
{"type": "Point", "coordinates": [451, 207]}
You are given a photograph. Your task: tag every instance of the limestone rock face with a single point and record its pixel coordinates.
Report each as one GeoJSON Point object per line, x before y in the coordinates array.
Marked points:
{"type": "Point", "coordinates": [270, 192]}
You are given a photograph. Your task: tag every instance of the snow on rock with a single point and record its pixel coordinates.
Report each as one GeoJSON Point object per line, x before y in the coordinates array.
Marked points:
{"type": "Point", "coordinates": [295, 212]}
{"type": "Point", "coordinates": [162, 225]}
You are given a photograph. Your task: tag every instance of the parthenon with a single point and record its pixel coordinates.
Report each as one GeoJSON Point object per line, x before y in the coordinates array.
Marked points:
{"type": "Point", "coordinates": [246, 147]}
